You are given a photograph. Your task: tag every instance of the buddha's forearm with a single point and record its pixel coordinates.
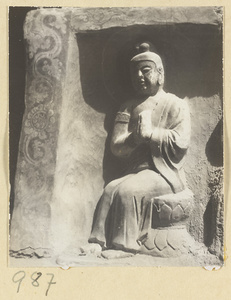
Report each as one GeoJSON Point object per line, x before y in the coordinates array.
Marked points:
{"type": "Point", "coordinates": [123, 145]}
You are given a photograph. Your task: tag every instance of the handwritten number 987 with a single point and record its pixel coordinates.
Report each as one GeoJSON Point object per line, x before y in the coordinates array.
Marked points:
{"type": "Point", "coordinates": [19, 276]}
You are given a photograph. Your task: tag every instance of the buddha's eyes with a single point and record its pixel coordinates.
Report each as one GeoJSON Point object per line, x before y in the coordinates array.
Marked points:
{"type": "Point", "coordinates": [146, 69]}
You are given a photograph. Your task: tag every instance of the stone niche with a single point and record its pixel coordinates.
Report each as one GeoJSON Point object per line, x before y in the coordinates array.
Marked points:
{"type": "Point", "coordinates": [76, 79]}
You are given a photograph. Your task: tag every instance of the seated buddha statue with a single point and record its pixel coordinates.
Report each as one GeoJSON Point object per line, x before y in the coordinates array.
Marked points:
{"type": "Point", "coordinates": [152, 133]}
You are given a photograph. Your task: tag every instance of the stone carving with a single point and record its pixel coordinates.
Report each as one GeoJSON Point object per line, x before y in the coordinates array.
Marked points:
{"type": "Point", "coordinates": [62, 166]}
{"type": "Point", "coordinates": [216, 185]}
{"type": "Point", "coordinates": [99, 18]}
{"type": "Point", "coordinates": [45, 34]}
{"type": "Point", "coordinates": [146, 209]}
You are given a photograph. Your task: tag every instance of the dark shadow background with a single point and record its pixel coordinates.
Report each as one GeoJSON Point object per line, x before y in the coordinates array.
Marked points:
{"type": "Point", "coordinates": [192, 56]}
{"type": "Point", "coordinates": [191, 53]}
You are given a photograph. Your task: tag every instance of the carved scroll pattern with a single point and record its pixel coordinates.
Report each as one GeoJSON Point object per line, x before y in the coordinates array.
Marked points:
{"type": "Point", "coordinates": [46, 38]}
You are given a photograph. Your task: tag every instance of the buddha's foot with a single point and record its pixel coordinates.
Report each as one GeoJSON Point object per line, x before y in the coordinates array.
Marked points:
{"type": "Point", "coordinates": [91, 249]}
{"type": "Point", "coordinates": [112, 254]}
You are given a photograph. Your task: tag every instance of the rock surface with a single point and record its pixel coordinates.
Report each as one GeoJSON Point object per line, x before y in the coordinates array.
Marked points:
{"type": "Point", "coordinates": [73, 91]}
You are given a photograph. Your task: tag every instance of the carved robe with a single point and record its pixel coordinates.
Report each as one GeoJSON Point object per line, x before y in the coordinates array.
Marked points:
{"type": "Point", "coordinates": [154, 168]}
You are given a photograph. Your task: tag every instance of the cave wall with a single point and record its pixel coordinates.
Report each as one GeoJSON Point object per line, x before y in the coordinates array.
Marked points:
{"type": "Point", "coordinates": [76, 79]}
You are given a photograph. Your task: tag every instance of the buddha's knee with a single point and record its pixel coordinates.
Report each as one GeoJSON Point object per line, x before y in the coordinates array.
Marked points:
{"type": "Point", "coordinates": [124, 194]}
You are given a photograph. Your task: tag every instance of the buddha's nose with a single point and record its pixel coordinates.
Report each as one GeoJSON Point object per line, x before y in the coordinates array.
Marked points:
{"type": "Point", "coordinates": [140, 74]}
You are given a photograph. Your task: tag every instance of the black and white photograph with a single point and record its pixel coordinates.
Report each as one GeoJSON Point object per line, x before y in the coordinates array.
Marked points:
{"type": "Point", "coordinates": [116, 136]}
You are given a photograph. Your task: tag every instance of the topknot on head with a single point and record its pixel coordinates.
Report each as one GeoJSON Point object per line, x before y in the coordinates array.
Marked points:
{"type": "Point", "coordinates": [143, 47]}
{"type": "Point", "coordinates": [146, 53]}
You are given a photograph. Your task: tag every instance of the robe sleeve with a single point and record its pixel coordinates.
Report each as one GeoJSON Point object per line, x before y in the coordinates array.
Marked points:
{"type": "Point", "coordinates": [122, 142]}
{"type": "Point", "coordinates": [173, 136]}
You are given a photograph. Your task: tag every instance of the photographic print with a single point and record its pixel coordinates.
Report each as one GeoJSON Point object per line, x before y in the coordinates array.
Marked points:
{"type": "Point", "coordinates": [116, 136]}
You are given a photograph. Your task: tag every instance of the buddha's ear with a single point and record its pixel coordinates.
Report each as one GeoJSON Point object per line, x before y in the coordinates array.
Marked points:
{"type": "Point", "coordinates": [161, 79]}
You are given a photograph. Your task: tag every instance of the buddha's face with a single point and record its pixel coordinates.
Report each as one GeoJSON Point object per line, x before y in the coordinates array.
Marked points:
{"type": "Point", "coordinates": [145, 78]}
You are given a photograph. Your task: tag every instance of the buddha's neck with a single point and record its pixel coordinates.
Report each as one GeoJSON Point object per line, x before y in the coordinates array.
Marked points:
{"type": "Point", "coordinates": [153, 97]}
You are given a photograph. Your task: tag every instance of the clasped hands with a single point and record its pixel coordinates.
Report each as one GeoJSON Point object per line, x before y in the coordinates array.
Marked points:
{"type": "Point", "coordinates": [144, 129]}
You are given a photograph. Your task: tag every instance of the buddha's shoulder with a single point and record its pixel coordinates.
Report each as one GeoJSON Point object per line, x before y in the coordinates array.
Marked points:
{"type": "Point", "coordinates": [174, 100]}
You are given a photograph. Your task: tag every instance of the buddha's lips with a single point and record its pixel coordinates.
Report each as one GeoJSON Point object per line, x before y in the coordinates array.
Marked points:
{"type": "Point", "coordinates": [140, 82]}
{"type": "Point", "coordinates": [142, 85]}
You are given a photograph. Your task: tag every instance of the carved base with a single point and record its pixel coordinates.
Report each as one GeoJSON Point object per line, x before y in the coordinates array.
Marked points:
{"type": "Point", "coordinates": [167, 236]}
{"type": "Point", "coordinates": [167, 242]}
